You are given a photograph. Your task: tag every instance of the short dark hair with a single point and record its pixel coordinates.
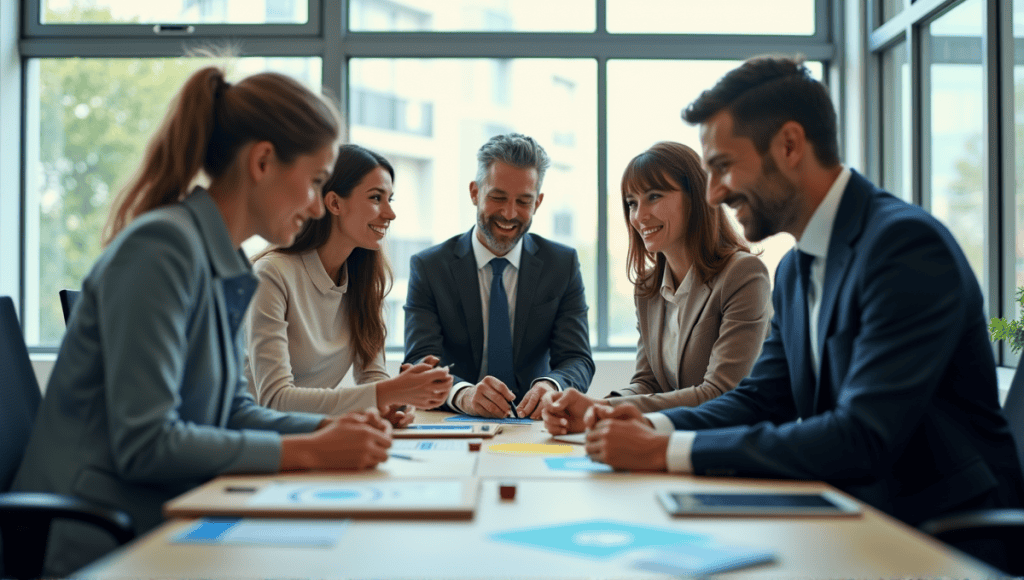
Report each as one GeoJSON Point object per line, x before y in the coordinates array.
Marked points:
{"type": "Point", "coordinates": [766, 92]}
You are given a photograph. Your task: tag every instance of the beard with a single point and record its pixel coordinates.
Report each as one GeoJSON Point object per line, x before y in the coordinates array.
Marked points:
{"type": "Point", "coordinates": [501, 246]}
{"type": "Point", "coordinates": [773, 207]}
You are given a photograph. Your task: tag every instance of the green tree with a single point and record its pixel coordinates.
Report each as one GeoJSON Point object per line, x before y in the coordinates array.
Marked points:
{"type": "Point", "coordinates": [96, 116]}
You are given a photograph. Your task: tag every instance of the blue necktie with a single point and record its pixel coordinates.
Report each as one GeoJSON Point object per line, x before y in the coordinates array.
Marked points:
{"type": "Point", "coordinates": [499, 331]}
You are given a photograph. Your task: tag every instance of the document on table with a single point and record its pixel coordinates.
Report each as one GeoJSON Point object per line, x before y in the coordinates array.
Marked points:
{"type": "Point", "coordinates": [266, 532]}
{"type": "Point", "coordinates": [700, 559]}
{"type": "Point", "coordinates": [378, 493]}
{"type": "Point", "coordinates": [429, 445]}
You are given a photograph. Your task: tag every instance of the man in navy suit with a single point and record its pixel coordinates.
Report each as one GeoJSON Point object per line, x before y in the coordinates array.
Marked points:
{"type": "Point", "coordinates": [511, 342]}
{"type": "Point", "coordinates": [877, 375]}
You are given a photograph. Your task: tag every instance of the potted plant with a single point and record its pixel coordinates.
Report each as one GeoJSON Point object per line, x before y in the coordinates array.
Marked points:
{"type": "Point", "coordinates": [1012, 331]}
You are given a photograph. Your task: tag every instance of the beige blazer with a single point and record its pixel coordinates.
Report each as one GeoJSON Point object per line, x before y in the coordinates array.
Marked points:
{"type": "Point", "coordinates": [725, 322]}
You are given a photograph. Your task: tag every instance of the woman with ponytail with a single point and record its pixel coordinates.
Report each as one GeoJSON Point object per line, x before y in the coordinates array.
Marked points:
{"type": "Point", "coordinates": [147, 399]}
{"type": "Point", "coordinates": [317, 312]}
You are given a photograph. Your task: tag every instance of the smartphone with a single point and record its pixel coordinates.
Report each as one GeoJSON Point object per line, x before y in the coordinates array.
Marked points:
{"type": "Point", "coordinates": [816, 504]}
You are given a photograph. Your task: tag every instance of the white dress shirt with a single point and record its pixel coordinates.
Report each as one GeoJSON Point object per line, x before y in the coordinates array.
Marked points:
{"type": "Point", "coordinates": [672, 322]}
{"type": "Point", "coordinates": [814, 240]}
{"type": "Point", "coordinates": [510, 278]}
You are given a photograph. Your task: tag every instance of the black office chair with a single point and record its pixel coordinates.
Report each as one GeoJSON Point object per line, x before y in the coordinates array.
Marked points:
{"type": "Point", "coordinates": [67, 302]}
{"type": "Point", "coordinates": [1004, 526]}
{"type": "Point", "coordinates": [25, 518]}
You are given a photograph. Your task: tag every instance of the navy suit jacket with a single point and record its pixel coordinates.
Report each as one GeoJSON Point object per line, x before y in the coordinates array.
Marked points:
{"type": "Point", "coordinates": [905, 414]}
{"type": "Point", "coordinates": [443, 313]}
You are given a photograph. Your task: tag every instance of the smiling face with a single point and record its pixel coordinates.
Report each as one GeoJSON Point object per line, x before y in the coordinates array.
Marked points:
{"type": "Point", "coordinates": [766, 203]}
{"type": "Point", "coordinates": [362, 219]}
{"type": "Point", "coordinates": [658, 216]}
{"type": "Point", "coordinates": [289, 194]}
{"type": "Point", "coordinates": [505, 203]}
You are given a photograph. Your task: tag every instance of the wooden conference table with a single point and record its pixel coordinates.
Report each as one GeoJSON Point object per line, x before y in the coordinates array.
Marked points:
{"type": "Point", "coordinates": [872, 545]}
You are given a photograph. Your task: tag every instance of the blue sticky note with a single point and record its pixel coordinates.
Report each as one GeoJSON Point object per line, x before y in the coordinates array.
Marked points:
{"type": "Point", "coordinates": [599, 539]}
{"type": "Point", "coordinates": [475, 419]}
{"type": "Point", "coordinates": [577, 464]}
{"type": "Point", "coordinates": [209, 530]}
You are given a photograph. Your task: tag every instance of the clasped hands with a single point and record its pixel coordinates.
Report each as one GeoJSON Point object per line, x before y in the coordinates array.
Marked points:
{"type": "Point", "coordinates": [421, 385]}
{"type": "Point", "coordinates": [355, 440]}
{"type": "Point", "coordinates": [492, 398]}
{"type": "Point", "coordinates": [618, 435]}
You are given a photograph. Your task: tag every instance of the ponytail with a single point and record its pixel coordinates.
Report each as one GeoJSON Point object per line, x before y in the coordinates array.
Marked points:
{"type": "Point", "coordinates": [209, 122]}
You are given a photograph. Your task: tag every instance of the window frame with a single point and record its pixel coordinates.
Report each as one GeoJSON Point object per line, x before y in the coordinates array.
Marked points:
{"type": "Point", "coordinates": [326, 35]}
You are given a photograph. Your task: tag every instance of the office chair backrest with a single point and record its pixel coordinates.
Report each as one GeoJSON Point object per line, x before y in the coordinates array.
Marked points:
{"type": "Point", "coordinates": [19, 393]}
{"type": "Point", "coordinates": [67, 302]}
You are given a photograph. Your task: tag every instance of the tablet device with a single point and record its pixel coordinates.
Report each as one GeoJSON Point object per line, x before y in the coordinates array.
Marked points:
{"type": "Point", "coordinates": [702, 504]}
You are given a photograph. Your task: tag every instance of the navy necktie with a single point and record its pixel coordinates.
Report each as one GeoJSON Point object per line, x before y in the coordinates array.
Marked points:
{"type": "Point", "coordinates": [805, 286]}
{"type": "Point", "coordinates": [499, 330]}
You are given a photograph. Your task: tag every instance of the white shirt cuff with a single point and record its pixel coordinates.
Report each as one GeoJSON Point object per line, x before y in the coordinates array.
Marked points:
{"type": "Point", "coordinates": [680, 443]}
{"type": "Point", "coordinates": [677, 456]}
{"type": "Point", "coordinates": [662, 424]}
{"type": "Point", "coordinates": [454, 392]}
{"type": "Point", "coordinates": [549, 379]}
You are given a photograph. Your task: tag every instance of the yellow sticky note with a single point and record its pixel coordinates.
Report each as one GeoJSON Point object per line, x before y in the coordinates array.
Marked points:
{"type": "Point", "coordinates": [530, 449]}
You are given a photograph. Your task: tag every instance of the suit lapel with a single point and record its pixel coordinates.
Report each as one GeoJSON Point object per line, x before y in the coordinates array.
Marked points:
{"type": "Point", "coordinates": [465, 277]}
{"type": "Point", "coordinates": [655, 321]}
{"type": "Point", "coordinates": [227, 350]}
{"type": "Point", "coordinates": [841, 251]}
{"type": "Point", "coordinates": [530, 267]}
{"type": "Point", "coordinates": [693, 308]}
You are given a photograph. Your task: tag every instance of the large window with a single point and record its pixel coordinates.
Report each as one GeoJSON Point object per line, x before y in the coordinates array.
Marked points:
{"type": "Point", "coordinates": [947, 134]}
{"type": "Point", "coordinates": [423, 82]}
{"type": "Point", "coordinates": [85, 140]}
{"type": "Point", "coordinates": [431, 116]}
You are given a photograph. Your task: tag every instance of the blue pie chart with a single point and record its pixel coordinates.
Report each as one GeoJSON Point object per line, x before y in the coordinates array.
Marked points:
{"type": "Point", "coordinates": [337, 494]}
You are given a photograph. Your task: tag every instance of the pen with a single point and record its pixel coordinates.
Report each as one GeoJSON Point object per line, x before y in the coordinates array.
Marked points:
{"type": "Point", "coordinates": [405, 457]}
{"type": "Point", "coordinates": [513, 409]}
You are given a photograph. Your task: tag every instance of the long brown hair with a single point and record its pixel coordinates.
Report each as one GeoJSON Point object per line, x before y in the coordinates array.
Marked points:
{"type": "Point", "coordinates": [709, 237]}
{"type": "Point", "coordinates": [369, 274]}
{"type": "Point", "coordinates": [209, 121]}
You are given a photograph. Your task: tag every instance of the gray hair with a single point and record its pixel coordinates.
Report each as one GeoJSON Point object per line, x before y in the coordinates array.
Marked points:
{"type": "Point", "coordinates": [513, 149]}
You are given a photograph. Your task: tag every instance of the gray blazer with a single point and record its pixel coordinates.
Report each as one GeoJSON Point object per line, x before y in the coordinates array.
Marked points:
{"type": "Point", "coordinates": [724, 323]}
{"type": "Point", "coordinates": [145, 400]}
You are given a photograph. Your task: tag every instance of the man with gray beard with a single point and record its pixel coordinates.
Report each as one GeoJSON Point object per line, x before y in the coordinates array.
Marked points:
{"type": "Point", "coordinates": [503, 308]}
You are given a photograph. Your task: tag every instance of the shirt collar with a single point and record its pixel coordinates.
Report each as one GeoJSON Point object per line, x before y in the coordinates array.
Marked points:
{"type": "Point", "coordinates": [483, 255]}
{"type": "Point", "coordinates": [818, 233]}
{"type": "Point", "coordinates": [674, 294]}
{"type": "Point", "coordinates": [318, 274]}
{"type": "Point", "coordinates": [227, 260]}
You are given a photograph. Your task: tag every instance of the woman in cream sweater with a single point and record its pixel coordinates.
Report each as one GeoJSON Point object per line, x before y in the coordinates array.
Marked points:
{"type": "Point", "coordinates": [317, 312]}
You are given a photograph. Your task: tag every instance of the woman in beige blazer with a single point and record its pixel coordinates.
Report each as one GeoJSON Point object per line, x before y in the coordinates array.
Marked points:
{"type": "Point", "coordinates": [703, 301]}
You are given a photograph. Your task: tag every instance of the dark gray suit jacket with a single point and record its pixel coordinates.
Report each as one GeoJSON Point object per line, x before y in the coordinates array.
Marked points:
{"type": "Point", "coordinates": [443, 313]}
{"type": "Point", "coordinates": [905, 414]}
{"type": "Point", "coordinates": [147, 399]}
